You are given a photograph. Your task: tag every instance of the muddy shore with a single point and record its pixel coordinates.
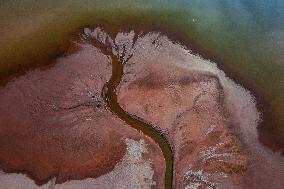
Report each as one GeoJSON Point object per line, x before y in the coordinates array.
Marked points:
{"type": "Point", "coordinates": [59, 105]}
{"type": "Point", "coordinates": [270, 132]}
{"type": "Point", "coordinates": [55, 123]}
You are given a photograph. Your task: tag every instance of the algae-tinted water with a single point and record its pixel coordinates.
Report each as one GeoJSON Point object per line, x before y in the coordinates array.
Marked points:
{"type": "Point", "coordinates": [246, 35]}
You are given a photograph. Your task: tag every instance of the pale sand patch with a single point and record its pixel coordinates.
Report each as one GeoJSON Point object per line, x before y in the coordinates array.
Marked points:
{"type": "Point", "coordinates": [265, 168]}
{"type": "Point", "coordinates": [155, 48]}
{"type": "Point", "coordinates": [132, 172]}
{"type": "Point", "coordinates": [54, 122]}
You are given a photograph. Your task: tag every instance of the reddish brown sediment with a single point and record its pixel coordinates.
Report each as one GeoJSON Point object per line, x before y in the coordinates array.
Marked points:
{"type": "Point", "coordinates": [144, 87]}
{"type": "Point", "coordinates": [270, 129]}
{"type": "Point", "coordinates": [162, 83]}
{"type": "Point", "coordinates": [184, 105]}
{"type": "Point", "coordinates": [61, 110]}
{"type": "Point", "coordinates": [54, 122]}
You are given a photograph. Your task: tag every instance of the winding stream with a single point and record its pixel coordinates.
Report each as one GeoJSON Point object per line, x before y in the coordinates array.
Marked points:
{"type": "Point", "coordinates": [110, 97]}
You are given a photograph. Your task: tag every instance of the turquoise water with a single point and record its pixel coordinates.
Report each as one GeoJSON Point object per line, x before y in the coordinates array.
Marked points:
{"type": "Point", "coordinates": [247, 35]}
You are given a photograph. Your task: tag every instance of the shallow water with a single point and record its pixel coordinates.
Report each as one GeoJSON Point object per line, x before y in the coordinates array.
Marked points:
{"type": "Point", "coordinates": [237, 100]}
{"type": "Point", "coordinates": [245, 35]}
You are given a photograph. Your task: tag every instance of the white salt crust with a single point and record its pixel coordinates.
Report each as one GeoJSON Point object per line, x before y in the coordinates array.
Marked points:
{"type": "Point", "coordinates": [239, 102]}
{"type": "Point", "coordinates": [132, 172]}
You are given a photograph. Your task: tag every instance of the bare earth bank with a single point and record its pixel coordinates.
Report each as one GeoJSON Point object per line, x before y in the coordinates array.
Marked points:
{"type": "Point", "coordinates": [55, 122]}
{"type": "Point", "coordinates": [55, 125]}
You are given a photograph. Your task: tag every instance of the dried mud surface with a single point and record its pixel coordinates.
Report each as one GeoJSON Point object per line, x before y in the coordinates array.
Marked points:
{"type": "Point", "coordinates": [188, 108]}
{"type": "Point", "coordinates": [209, 120]}
{"type": "Point", "coordinates": [55, 123]}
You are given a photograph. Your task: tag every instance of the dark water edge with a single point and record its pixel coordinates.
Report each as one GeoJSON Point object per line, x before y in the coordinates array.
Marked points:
{"type": "Point", "coordinates": [110, 97]}
{"type": "Point", "coordinates": [233, 32]}
{"type": "Point", "coordinates": [270, 129]}
{"type": "Point", "coordinates": [136, 123]}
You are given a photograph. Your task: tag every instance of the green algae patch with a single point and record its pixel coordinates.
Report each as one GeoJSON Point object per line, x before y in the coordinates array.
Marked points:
{"type": "Point", "coordinates": [33, 33]}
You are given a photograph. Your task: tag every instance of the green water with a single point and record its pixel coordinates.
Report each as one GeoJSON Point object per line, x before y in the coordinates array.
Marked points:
{"type": "Point", "coordinates": [246, 35]}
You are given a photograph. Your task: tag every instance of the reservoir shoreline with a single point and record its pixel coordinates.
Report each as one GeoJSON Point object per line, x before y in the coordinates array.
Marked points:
{"type": "Point", "coordinates": [183, 39]}
{"type": "Point", "coordinates": [268, 136]}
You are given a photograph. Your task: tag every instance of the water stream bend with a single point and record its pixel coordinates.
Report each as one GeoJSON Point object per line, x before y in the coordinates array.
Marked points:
{"type": "Point", "coordinates": [110, 97]}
